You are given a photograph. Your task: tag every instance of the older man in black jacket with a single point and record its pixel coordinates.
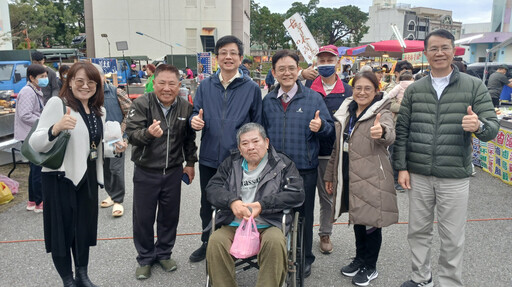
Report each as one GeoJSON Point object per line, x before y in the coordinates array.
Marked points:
{"type": "Point", "coordinates": [255, 181]}
{"type": "Point", "coordinates": [162, 140]}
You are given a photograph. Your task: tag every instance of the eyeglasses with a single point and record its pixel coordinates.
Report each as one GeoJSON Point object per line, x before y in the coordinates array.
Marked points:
{"type": "Point", "coordinates": [82, 82]}
{"type": "Point", "coordinates": [366, 89]}
{"type": "Point", "coordinates": [225, 53]}
{"type": "Point", "coordinates": [282, 70]}
{"type": "Point", "coordinates": [443, 49]}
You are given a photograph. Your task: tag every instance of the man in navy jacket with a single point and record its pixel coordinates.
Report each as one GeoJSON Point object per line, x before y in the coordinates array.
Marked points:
{"type": "Point", "coordinates": [223, 103]}
{"type": "Point", "coordinates": [296, 120]}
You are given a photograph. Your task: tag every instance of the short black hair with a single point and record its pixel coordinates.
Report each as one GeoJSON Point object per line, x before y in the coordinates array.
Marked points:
{"type": "Point", "coordinates": [228, 40]}
{"type": "Point", "coordinates": [37, 56]}
{"type": "Point", "coordinates": [503, 67]}
{"type": "Point", "coordinates": [167, 67]}
{"type": "Point", "coordinates": [34, 70]}
{"type": "Point", "coordinates": [460, 66]}
{"type": "Point", "coordinates": [282, 54]}
{"type": "Point", "coordinates": [440, 33]}
{"type": "Point", "coordinates": [403, 65]}
{"type": "Point", "coordinates": [247, 61]}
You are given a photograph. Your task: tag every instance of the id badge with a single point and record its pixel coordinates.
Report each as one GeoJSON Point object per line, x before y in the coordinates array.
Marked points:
{"type": "Point", "coordinates": [93, 154]}
{"type": "Point", "coordinates": [345, 146]}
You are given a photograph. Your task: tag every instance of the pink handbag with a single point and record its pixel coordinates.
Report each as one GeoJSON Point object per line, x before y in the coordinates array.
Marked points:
{"type": "Point", "coordinates": [247, 240]}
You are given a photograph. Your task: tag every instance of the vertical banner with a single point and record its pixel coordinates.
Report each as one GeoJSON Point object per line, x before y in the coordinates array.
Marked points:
{"type": "Point", "coordinates": [495, 156]}
{"type": "Point", "coordinates": [204, 60]}
{"type": "Point", "coordinates": [302, 37]}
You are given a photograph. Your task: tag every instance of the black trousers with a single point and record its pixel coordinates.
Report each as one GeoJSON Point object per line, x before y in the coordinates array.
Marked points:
{"type": "Point", "coordinates": [368, 244]}
{"type": "Point", "coordinates": [35, 190]}
{"type": "Point", "coordinates": [205, 212]}
{"type": "Point", "coordinates": [153, 189]}
{"type": "Point", "coordinates": [309, 177]}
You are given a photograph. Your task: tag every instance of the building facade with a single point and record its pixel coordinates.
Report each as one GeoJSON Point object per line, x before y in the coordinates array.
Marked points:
{"type": "Point", "coordinates": [414, 22]}
{"type": "Point", "coordinates": [167, 26]}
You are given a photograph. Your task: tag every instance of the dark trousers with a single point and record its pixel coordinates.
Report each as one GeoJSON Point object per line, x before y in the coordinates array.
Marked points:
{"type": "Point", "coordinates": [309, 177]}
{"type": "Point", "coordinates": [153, 189]}
{"type": "Point", "coordinates": [35, 191]}
{"type": "Point", "coordinates": [368, 244]}
{"type": "Point", "coordinates": [205, 174]}
{"type": "Point", "coordinates": [63, 263]}
{"type": "Point", "coordinates": [113, 172]}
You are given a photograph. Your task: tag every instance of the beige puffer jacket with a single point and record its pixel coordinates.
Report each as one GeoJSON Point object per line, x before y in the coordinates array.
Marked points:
{"type": "Point", "coordinates": [372, 193]}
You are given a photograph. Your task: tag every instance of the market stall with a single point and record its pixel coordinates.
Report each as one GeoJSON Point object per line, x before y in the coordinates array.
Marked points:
{"type": "Point", "coordinates": [495, 157]}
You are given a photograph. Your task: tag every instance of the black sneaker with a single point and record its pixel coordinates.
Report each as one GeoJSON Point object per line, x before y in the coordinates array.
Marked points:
{"type": "Point", "coordinates": [411, 283]}
{"type": "Point", "coordinates": [199, 254]}
{"type": "Point", "coordinates": [352, 269]}
{"type": "Point", "coordinates": [364, 276]}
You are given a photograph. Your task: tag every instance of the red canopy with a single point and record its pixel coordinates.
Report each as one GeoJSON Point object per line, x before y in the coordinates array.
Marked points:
{"type": "Point", "coordinates": [393, 48]}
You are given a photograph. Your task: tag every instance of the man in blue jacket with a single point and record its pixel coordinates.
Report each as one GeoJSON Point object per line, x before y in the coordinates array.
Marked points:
{"type": "Point", "coordinates": [334, 92]}
{"type": "Point", "coordinates": [296, 120]}
{"type": "Point", "coordinates": [223, 103]}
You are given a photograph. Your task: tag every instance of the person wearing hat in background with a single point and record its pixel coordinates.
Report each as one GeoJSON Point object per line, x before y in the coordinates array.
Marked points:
{"type": "Point", "coordinates": [52, 89]}
{"type": "Point", "coordinates": [496, 82]}
{"type": "Point", "coordinates": [134, 75]}
{"type": "Point", "coordinates": [379, 74]}
{"type": "Point", "coordinates": [333, 91]}
{"type": "Point", "coordinates": [151, 77]}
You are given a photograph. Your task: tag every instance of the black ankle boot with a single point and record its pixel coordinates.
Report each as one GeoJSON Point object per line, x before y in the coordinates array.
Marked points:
{"type": "Point", "coordinates": [81, 279]}
{"type": "Point", "coordinates": [69, 281]}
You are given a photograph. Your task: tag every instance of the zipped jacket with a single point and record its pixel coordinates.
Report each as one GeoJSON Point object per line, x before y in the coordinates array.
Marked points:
{"type": "Point", "coordinates": [289, 131]}
{"type": "Point", "coordinates": [429, 137]}
{"type": "Point", "coordinates": [177, 144]}
{"type": "Point", "coordinates": [224, 112]}
{"type": "Point", "coordinates": [281, 187]}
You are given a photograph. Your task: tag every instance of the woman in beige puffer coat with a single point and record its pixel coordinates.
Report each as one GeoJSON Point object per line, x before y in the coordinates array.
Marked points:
{"type": "Point", "coordinates": [359, 173]}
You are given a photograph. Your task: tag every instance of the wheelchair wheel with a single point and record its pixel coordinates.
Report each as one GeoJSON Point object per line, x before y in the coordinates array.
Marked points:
{"type": "Point", "coordinates": [295, 276]}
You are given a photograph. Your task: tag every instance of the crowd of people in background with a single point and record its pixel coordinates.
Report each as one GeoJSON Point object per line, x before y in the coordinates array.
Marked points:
{"type": "Point", "coordinates": [351, 137]}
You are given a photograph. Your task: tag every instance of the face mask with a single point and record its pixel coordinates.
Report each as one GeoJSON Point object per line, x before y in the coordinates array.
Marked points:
{"type": "Point", "coordinates": [326, 70]}
{"type": "Point", "coordinates": [42, 82]}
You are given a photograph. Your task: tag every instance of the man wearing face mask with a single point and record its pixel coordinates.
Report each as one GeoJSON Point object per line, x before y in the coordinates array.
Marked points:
{"type": "Point", "coordinates": [52, 87]}
{"type": "Point", "coordinates": [333, 91]}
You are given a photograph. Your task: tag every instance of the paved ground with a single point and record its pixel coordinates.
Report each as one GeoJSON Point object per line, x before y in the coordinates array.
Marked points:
{"type": "Point", "coordinates": [487, 259]}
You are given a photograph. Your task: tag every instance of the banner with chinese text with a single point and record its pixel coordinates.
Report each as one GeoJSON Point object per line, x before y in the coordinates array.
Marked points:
{"type": "Point", "coordinates": [495, 156]}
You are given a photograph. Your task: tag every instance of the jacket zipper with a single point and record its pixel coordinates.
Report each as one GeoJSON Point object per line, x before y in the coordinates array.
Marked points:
{"type": "Point", "coordinates": [167, 121]}
{"type": "Point", "coordinates": [142, 154]}
{"type": "Point", "coordinates": [223, 119]}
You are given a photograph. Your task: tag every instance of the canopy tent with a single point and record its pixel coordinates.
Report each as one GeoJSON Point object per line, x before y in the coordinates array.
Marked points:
{"type": "Point", "coordinates": [392, 48]}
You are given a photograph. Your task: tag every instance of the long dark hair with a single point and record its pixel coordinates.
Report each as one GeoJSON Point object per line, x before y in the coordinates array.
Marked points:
{"type": "Point", "coordinates": [96, 101]}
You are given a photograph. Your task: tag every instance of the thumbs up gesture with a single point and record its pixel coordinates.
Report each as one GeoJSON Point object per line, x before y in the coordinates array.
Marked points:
{"type": "Point", "coordinates": [316, 123]}
{"type": "Point", "coordinates": [470, 122]}
{"type": "Point", "coordinates": [155, 129]}
{"type": "Point", "coordinates": [67, 122]}
{"type": "Point", "coordinates": [197, 122]}
{"type": "Point", "coordinates": [376, 130]}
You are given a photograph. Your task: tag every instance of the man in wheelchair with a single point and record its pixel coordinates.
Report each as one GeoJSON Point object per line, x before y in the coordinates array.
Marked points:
{"type": "Point", "coordinates": [256, 180]}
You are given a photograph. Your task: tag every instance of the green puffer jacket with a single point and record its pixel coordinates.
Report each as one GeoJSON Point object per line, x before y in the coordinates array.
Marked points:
{"type": "Point", "coordinates": [429, 135]}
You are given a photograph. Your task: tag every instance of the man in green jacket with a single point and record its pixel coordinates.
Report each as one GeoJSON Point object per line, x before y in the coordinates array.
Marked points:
{"type": "Point", "coordinates": [438, 115]}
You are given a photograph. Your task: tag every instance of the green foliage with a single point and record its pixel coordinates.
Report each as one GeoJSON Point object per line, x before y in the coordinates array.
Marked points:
{"type": "Point", "coordinates": [48, 23]}
{"type": "Point", "coordinates": [338, 26]}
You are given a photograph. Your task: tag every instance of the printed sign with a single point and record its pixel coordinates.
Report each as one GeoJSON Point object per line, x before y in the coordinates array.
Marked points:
{"type": "Point", "coordinates": [302, 37]}
{"type": "Point", "coordinates": [205, 60]}
{"type": "Point", "coordinates": [495, 157]}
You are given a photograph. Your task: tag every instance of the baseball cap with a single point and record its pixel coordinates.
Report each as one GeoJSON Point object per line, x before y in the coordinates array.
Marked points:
{"type": "Point", "coordinates": [503, 67]}
{"type": "Point", "coordinates": [133, 66]}
{"type": "Point", "coordinates": [328, 49]}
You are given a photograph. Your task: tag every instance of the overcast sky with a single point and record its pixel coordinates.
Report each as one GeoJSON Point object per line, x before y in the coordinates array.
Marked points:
{"type": "Point", "coordinates": [465, 11]}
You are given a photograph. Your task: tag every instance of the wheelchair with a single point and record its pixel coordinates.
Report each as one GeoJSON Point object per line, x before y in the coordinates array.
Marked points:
{"type": "Point", "coordinates": [295, 251]}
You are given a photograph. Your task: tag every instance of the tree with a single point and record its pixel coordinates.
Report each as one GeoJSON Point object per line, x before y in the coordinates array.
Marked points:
{"type": "Point", "coordinates": [267, 28]}
{"type": "Point", "coordinates": [47, 23]}
{"type": "Point", "coordinates": [306, 11]}
{"type": "Point", "coordinates": [338, 26]}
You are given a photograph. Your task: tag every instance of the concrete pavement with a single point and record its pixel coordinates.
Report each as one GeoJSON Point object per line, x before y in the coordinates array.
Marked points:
{"type": "Point", "coordinates": [487, 258]}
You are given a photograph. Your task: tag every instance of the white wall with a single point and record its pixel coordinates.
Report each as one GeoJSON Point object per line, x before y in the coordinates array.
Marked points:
{"type": "Point", "coordinates": [380, 21]}
{"type": "Point", "coordinates": [5, 26]}
{"type": "Point", "coordinates": [162, 19]}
